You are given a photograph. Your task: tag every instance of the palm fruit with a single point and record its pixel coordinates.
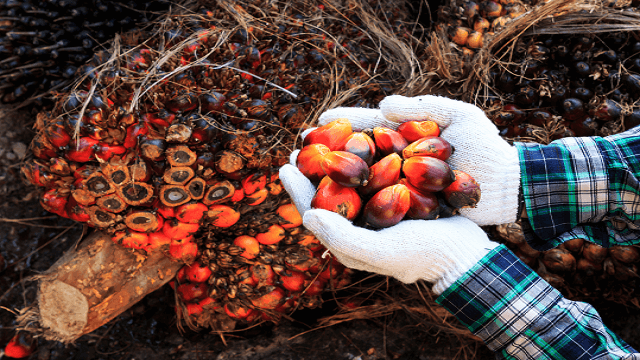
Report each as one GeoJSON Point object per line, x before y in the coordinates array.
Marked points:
{"type": "Point", "coordinates": [43, 43]}
{"type": "Point", "coordinates": [565, 85]}
{"type": "Point", "coordinates": [466, 23]}
{"type": "Point", "coordinates": [417, 185]}
{"type": "Point", "coordinates": [167, 150]}
{"type": "Point", "coordinates": [580, 269]}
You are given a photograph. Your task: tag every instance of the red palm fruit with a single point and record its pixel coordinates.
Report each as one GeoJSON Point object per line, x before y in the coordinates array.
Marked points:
{"type": "Point", "coordinates": [389, 141]}
{"type": "Point", "coordinates": [181, 276]}
{"type": "Point", "coordinates": [262, 274]}
{"type": "Point", "coordinates": [253, 183]}
{"type": "Point", "coordinates": [191, 212]}
{"type": "Point", "coordinates": [424, 206]}
{"type": "Point", "coordinates": [333, 134]}
{"type": "Point", "coordinates": [257, 197]}
{"type": "Point", "coordinates": [427, 173]}
{"type": "Point", "coordinates": [134, 240]}
{"type": "Point", "coordinates": [250, 245]}
{"type": "Point", "coordinates": [416, 130]}
{"type": "Point", "coordinates": [20, 346]}
{"type": "Point", "coordinates": [222, 215]}
{"type": "Point", "coordinates": [238, 312]}
{"type": "Point", "coordinates": [197, 273]}
{"type": "Point", "coordinates": [106, 151]}
{"type": "Point", "coordinates": [311, 242]}
{"type": "Point", "coordinates": [191, 292]}
{"type": "Point", "coordinates": [38, 175]}
{"type": "Point", "coordinates": [81, 150]}
{"type": "Point", "coordinates": [625, 254]}
{"type": "Point", "coordinates": [316, 287]}
{"type": "Point", "coordinates": [158, 239]}
{"type": "Point", "coordinates": [42, 149]}
{"type": "Point", "coordinates": [385, 172]}
{"type": "Point", "coordinates": [275, 188]}
{"type": "Point", "coordinates": [53, 201]}
{"type": "Point", "coordinates": [337, 198]}
{"type": "Point", "coordinates": [59, 166]}
{"type": "Point", "coordinates": [194, 308]}
{"type": "Point", "coordinates": [270, 300]}
{"type": "Point", "coordinates": [464, 191]}
{"type": "Point", "coordinates": [185, 252]}
{"type": "Point", "coordinates": [559, 260]}
{"type": "Point", "coordinates": [574, 245]}
{"type": "Point", "coordinates": [237, 195]}
{"type": "Point", "coordinates": [387, 207]}
{"type": "Point", "coordinates": [332, 270]}
{"type": "Point", "coordinates": [594, 252]}
{"type": "Point", "coordinates": [271, 236]}
{"type": "Point", "coordinates": [362, 145]}
{"type": "Point", "coordinates": [309, 161]}
{"type": "Point", "coordinates": [175, 229]}
{"type": "Point", "coordinates": [432, 146]}
{"type": "Point", "coordinates": [209, 303]}
{"type": "Point", "coordinates": [76, 211]}
{"type": "Point", "coordinates": [290, 216]}
{"type": "Point", "coordinates": [166, 211]}
{"type": "Point", "coordinates": [292, 280]}
{"type": "Point", "coordinates": [135, 133]}
{"type": "Point", "coordinates": [57, 134]}
{"type": "Point", "coordinates": [587, 266]}
{"type": "Point", "coordinates": [345, 168]}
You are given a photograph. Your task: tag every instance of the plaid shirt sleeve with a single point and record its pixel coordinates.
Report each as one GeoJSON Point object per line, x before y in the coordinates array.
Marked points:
{"type": "Point", "coordinates": [520, 316]}
{"type": "Point", "coordinates": [583, 187]}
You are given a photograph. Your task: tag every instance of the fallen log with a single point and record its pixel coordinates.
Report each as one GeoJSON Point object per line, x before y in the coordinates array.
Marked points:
{"type": "Point", "coordinates": [91, 285]}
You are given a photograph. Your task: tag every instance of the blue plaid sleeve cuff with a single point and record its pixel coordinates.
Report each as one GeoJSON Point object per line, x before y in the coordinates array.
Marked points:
{"type": "Point", "coordinates": [520, 316]}
{"type": "Point", "coordinates": [582, 187]}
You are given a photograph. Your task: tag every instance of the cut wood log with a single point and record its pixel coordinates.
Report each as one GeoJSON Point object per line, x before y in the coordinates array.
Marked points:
{"type": "Point", "coordinates": [93, 284]}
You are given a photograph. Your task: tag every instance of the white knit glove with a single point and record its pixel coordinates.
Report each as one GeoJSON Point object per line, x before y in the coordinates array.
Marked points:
{"type": "Point", "coordinates": [479, 150]}
{"type": "Point", "coordinates": [438, 251]}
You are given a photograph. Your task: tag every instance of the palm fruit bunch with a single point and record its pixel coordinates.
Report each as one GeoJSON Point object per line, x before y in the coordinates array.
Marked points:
{"type": "Point", "coordinates": [174, 144]}
{"type": "Point", "coordinates": [579, 268]}
{"type": "Point", "coordinates": [43, 43]}
{"type": "Point", "coordinates": [562, 86]}
{"type": "Point", "coordinates": [396, 174]}
{"type": "Point", "coordinates": [467, 23]}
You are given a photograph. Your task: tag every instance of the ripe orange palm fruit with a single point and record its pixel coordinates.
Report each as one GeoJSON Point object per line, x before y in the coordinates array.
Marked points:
{"type": "Point", "coordinates": [337, 198]}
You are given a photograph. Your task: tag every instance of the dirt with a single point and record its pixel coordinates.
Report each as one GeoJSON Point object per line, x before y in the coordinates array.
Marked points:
{"type": "Point", "coordinates": [31, 240]}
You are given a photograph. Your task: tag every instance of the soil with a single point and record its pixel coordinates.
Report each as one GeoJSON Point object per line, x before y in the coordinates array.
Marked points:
{"type": "Point", "coordinates": [31, 240]}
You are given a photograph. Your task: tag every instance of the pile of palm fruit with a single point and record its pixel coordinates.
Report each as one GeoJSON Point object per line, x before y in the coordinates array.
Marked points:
{"type": "Point", "coordinates": [467, 23]}
{"type": "Point", "coordinates": [43, 43]}
{"type": "Point", "coordinates": [172, 142]}
{"type": "Point", "coordinates": [545, 86]}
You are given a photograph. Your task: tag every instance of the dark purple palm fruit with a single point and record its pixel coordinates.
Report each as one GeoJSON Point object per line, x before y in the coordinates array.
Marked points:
{"type": "Point", "coordinates": [43, 43]}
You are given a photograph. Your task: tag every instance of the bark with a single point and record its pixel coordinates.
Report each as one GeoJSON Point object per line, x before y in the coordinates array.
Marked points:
{"type": "Point", "coordinates": [93, 284]}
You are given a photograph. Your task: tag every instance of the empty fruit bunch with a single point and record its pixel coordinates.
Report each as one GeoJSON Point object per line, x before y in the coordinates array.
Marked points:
{"type": "Point", "coordinates": [175, 144]}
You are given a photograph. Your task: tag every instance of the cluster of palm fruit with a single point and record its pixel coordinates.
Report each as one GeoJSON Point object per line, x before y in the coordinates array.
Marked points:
{"type": "Point", "coordinates": [395, 174]}
{"type": "Point", "coordinates": [561, 86]}
{"type": "Point", "coordinates": [43, 43]}
{"type": "Point", "coordinates": [176, 146]}
{"type": "Point", "coordinates": [579, 267]}
{"type": "Point", "coordinates": [466, 23]}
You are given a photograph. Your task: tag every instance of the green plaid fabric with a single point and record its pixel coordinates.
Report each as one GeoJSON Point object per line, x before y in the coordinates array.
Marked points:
{"type": "Point", "coordinates": [584, 187]}
{"type": "Point", "coordinates": [520, 316]}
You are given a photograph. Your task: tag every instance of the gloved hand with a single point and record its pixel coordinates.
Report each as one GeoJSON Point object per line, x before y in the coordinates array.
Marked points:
{"type": "Point", "coordinates": [479, 149]}
{"type": "Point", "coordinates": [438, 251]}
